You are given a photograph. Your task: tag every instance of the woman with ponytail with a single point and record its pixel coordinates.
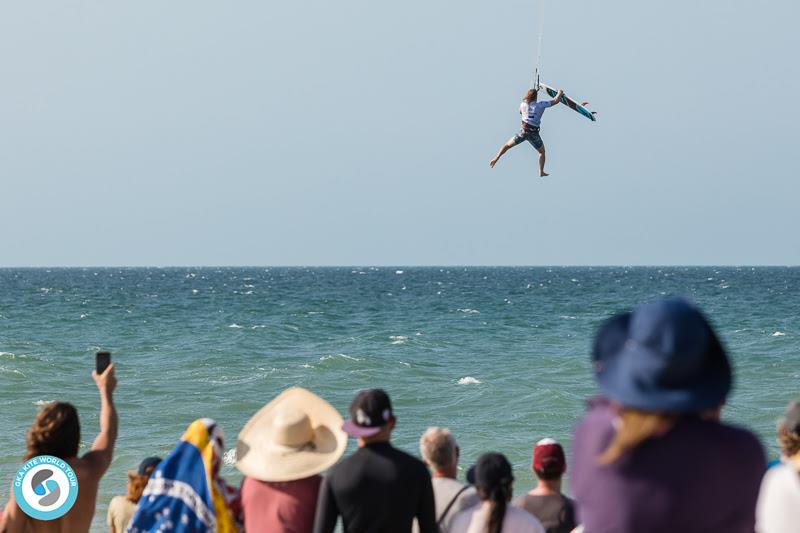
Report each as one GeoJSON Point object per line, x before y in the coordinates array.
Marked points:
{"type": "Point", "coordinates": [494, 483]}
{"type": "Point", "coordinates": [651, 454]}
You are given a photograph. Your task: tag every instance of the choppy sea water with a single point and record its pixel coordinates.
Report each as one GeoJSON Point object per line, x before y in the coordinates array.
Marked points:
{"type": "Point", "coordinates": [499, 355]}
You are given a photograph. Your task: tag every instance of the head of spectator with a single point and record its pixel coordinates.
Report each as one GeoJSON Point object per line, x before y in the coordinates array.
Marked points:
{"type": "Point", "coordinates": [778, 507]}
{"type": "Point", "coordinates": [494, 482]}
{"type": "Point", "coordinates": [789, 433]}
{"type": "Point", "coordinates": [440, 452]}
{"type": "Point", "coordinates": [554, 510]}
{"type": "Point", "coordinates": [470, 475]}
{"type": "Point", "coordinates": [378, 487]}
{"type": "Point", "coordinates": [294, 436]}
{"type": "Point", "coordinates": [281, 451]}
{"type": "Point", "coordinates": [549, 463]}
{"type": "Point", "coordinates": [194, 466]}
{"type": "Point", "coordinates": [657, 363]}
{"type": "Point", "coordinates": [56, 431]}
{"type": "Point", "coordinates": [137, 480]}
{"type": "Point", "coordinates": [371, 417]}
{"type": "Point", "coordinates": [121, 508]}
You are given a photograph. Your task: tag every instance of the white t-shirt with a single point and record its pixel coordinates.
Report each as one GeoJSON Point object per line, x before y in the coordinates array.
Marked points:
{"type": "Point", "coordinates": [778, 508]}
{"type": "Point", "coordinates": [120, 512]}
{"type": "Point", "coordinates": [475, 520]}
{"type": "Point", "coordinates": [532, 112]}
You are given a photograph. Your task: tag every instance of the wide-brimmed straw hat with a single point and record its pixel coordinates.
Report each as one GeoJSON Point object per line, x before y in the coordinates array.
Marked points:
{"type": "Point", "coordinates": [296, 435]}
{"type": "Point", "coordinates": [662, 356]}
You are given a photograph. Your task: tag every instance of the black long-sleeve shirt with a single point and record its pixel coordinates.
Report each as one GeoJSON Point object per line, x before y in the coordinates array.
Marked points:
{"type": "Point", "coordinates": [378, 489]}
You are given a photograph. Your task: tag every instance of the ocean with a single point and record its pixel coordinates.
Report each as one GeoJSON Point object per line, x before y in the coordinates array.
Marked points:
{"type": "Point", "coordinates": [498, 355]}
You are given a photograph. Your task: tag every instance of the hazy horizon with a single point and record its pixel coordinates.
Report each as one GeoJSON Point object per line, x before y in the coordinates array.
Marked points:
{"type": "Point", "coordinates": [399, 266]}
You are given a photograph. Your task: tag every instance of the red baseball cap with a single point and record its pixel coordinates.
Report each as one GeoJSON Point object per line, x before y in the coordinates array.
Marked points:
{"type": "Point", "coordinates": [548, 458]}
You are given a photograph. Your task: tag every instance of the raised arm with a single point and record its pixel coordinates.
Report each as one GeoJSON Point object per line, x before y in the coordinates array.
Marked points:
{"type": "Point", "coordinates": [99, 458]}
{"type": "Point", "coordinates": [557, 99]}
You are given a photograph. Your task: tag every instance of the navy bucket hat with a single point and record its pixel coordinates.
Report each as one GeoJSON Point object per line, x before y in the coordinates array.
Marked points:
{"type": "Point", "coordinates": [662, 356]}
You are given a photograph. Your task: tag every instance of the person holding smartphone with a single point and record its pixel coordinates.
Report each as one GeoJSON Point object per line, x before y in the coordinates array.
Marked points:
{"type": "Point", "coordinates": [56, 431]}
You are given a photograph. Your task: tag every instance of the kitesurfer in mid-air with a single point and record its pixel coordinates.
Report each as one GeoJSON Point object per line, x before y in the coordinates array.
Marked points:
{"type": "Point", "coordinates": [531, 112]}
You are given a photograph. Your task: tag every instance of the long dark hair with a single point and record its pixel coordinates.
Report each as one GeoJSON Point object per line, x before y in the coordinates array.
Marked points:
{"type": "Point", "coordinates": [493, 481]}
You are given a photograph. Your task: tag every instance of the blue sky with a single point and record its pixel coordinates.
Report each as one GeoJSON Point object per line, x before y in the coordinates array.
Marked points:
{"type": "Point", "coordinates": [357, 132]}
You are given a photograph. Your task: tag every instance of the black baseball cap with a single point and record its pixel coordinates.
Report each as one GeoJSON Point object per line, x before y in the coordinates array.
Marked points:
{"type": "Point", "coordinates": [147, 466]}
{"type": "Point", "coordinates": [370, 410]}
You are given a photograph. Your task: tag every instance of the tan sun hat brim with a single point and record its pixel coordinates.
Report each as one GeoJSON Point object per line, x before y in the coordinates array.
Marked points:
{"type": "Point", "coordinates": [259, 458]}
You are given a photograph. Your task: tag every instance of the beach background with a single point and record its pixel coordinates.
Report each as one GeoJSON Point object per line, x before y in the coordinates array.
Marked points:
{"type": "Point", "coordinates": [498, 355]}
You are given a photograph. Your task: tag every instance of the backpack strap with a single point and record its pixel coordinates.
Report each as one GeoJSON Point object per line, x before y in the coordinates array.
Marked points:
{"type": "Point", "coordinates": [450, 505]}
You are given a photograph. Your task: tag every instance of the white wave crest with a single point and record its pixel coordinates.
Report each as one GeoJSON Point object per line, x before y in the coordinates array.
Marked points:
{"type": "Point", "coordinates": [779, 334]}
{"type": "Point", "coordinates": [5, 370]}
{"type": "Point", "coordinates": [468, 311]}
{"type": "Point", "coordinates": [398, 271]}
{"type": "Point", "coordinates": [339, 356]}
{"type": "Point", "coordinates": [229, 457]}
{"type": "Point", "coordinates": [469, 380]}
{"type": "Point", "coordinates": [40, 403]}
{"type": "Point", "coordinates": [398, 339]}
{"type": "Point", "coordinates": [235, 326]}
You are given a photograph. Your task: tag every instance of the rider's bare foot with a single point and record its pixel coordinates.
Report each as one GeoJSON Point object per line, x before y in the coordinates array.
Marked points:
{"type": "Point", "coordinates": [492, 162]}
{"type": "Point", "coordinates": [543, 174]}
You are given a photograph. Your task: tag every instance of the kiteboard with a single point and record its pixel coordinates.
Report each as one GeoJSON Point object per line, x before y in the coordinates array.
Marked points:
{"type": "Point", "coordinates": [569, 102]}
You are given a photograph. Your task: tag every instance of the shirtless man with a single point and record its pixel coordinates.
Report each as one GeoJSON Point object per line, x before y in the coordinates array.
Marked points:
{"type": "Point", "coordinates": [56, 431]}
{"type": "Point", "coordinates": [531, 112]}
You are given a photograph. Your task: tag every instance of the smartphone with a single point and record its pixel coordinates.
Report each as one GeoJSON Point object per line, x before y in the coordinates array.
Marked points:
{"type": "Point", "coordinates": [102, 360]}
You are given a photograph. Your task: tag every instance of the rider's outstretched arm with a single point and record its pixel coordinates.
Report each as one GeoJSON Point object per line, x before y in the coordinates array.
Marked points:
{"type": "Point", "coordinates": [557, 99]}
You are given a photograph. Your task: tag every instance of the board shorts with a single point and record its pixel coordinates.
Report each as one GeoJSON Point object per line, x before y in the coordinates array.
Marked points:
{"type": "Point", "coordinates": [530, 134]}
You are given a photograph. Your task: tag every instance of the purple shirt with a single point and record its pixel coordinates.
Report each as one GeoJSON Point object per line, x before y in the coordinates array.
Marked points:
{"type": "Point", "coordinates": [701, 476]}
